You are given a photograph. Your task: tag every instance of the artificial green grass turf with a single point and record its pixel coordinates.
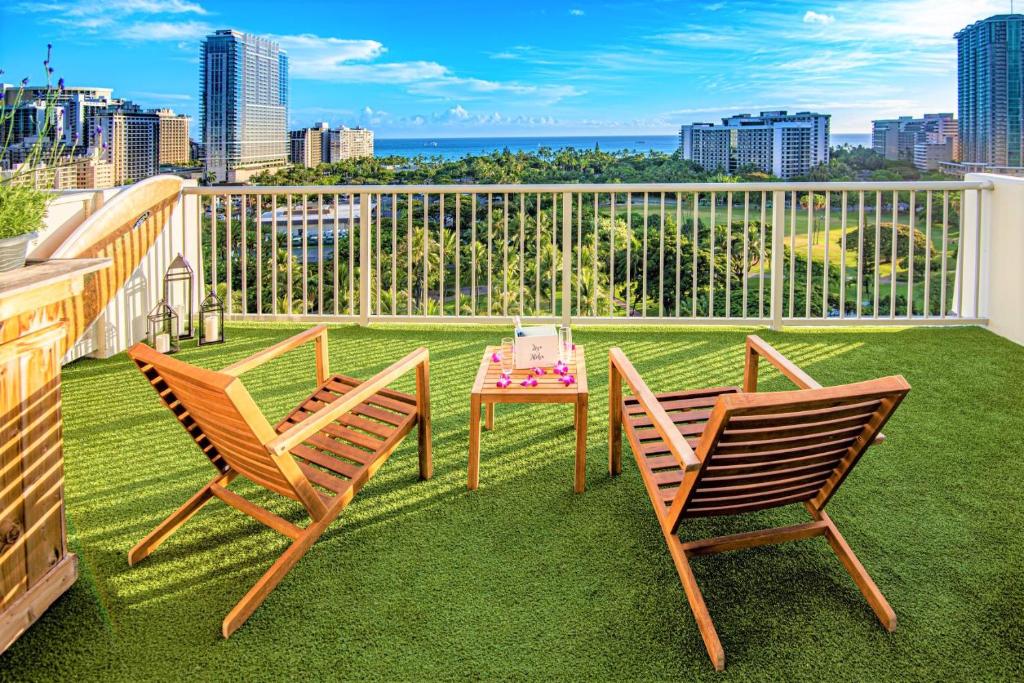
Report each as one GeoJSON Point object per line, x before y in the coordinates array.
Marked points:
{"type": "Point", "coordinates": [524, 579]}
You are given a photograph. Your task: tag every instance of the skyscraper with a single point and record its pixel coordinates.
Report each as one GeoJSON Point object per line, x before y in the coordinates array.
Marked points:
{"type": "Point", "coordinates": [990, 89]}
{"type": "Point", "coordinates": [130, 141]}
{"type": "Point", "coordinates": [243, 110]}
{"type": "Point", "coordinates": [785, 145]}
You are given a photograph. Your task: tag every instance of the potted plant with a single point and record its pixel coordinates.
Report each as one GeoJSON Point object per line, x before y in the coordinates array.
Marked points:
{"type": "Point", "coordinates": [23, 186]}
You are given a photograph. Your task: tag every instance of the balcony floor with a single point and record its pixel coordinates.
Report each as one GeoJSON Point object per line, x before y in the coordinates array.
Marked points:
{"type": "Point", "coordinates": [524, 579]}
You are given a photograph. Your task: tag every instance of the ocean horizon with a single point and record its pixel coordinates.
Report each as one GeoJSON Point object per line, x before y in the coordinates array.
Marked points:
{"type": "Point", "coordinates": [457, 148]}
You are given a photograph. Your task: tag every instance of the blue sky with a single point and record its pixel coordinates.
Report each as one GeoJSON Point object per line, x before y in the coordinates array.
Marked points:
{"type": "Point", "coordinates": [410, 69]}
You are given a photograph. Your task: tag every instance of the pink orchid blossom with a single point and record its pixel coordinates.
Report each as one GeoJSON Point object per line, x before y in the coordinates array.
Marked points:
{"type": "Point", "coordinates": [539, 371]}
{"type": "Point", "coordinates": [561, 368]}
{"type": "Point", "coordinates": [503, 382]}
{"type": "Point", "coordinates": [495, 357]}
{"type": "Point", "coordinates": [567, 380]}
{"type": "Point", "coordinates": [530, 381]}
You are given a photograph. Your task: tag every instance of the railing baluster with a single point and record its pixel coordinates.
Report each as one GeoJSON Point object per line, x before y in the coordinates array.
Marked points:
{"type": "Point", "coordinates": [504, 255]}
{"type": "Point", "coordinates": [927, 309]}
{"type": "Point", "coordinates": [644, 260]}
{"type": "Point", "coordinates": [394, 254]}
{"type": "Point", "coordinates": [711, 262]}
{"type": "Point", "coordinates": [762, 257]}
{"type": "Point", "coordinates": [440, 251]}
{"type": "Point", "coordinates": [213, 243]}
{"type": "Point", "coordinates": [661, 257]}
{"type": "Point", "coordinates": [792, 253]}
{"type": "Point", "coordinates": [408, 257]}
{"type": "Point", "coordinates": [746, 250]}
{"type": "Point", "coordinates": [320, 253]}
{"type": "Point", "coordinates": [259, 254]}
{"type": "Point", "coordinates": [457, 294]}
{"type": "Point", "coordinates": [611, 258]}
{"type": "Point", "coordinates": [472, 256]}
{"type": "Point", "coordinates": [728, 255]}
{"type": "Point", "coordinates": [490, 261]}
{"type": "Point", "coordinates": [809, 284]}
{"type": "Point", "coordinates": [305, 254]}
{"type": "Point", "coordinates": [842, 253]}
{"type": "Point", "coordinates": [695, 250]}
{"type": "Point", "coordinates": [243, 257]}
{"type": "Point", "coordinates": [536, 254]}
{"type": "Point", "coordinates": [426, 253]}
{"type": "Point", "coordinates": [629, 241]}
{"type": "Point", "coordinates": [227, 253]}
{"type": "Point", "coordinates": [977, 253]}
{"type": "Point", "coordinates": [522, 253]}
{"type": "Point", "coordinates": [288, 256]}
{"type": "Point", "coordinates": [335, 242]}
{"type": "Point", "coordinates": [945, 252]}
{"type": "Point", "coordinates": [364, 206]}
{"type": "Point", "coordinates": [273, 254]}
{"type": "Point", "coordinates": [554, 253]}
{"type": "Point", "coordinates": [878, 252]}
{"type": "Point", "coordinates": [200, 265]}
{"type": "Point", "coordinates": [910, 254]}
{"type": "Point", "coordinates": [959, 273]}
{"type": "Point", "coordinates": [376, 249]}
{"type": "Point", "coordinates": [828, 238]}
{"type": "Point", "coordinates": [594, 264]}
{"type": "Point", "coordinates": [892, 255]}
{"type": "Point", "coordinates": [678, 242]}
{"type": "Point", "coordinates": [579, 250]}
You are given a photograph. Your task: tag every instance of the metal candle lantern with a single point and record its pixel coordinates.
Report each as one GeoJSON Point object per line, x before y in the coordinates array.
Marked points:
{"type": "Point", "coordinates": [163, 328]}
{"type": "Point", "coordinates": [211, 320]}
{"type": "Point", "coordinates": [178, 283]}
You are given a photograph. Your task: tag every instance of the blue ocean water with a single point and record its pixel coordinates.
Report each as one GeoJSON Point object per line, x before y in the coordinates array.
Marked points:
{"type": "Point", "coordinates": [456, 148]}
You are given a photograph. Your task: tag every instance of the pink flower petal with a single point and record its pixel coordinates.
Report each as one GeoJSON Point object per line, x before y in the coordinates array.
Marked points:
{"type": "Point", "coordinates": [530, 381]}
{"type": "Point", "coordinates": [495, 357]}
{"type": "Point", "coordinates": [567, 380]}
{"type": "Point", "coordinates": [539, 371]}
{"type": "Point", "coordinates": [503, 382]}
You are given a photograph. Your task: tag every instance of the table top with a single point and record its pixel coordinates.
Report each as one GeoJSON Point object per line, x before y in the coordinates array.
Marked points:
{"type": "Point", "coordinates": [548, 387]}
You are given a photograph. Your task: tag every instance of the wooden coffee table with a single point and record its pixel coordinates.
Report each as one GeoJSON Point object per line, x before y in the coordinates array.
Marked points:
{"type": "Point", "coordinates": [548, 390]}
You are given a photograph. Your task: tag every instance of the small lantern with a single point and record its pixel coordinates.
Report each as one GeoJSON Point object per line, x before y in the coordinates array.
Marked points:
{"type": "Point", "coordinates": [163, 328]}
{"type": "Point", "coordinates": [211, 320]}
{"type": "Point", "coordinates": [178, 283]}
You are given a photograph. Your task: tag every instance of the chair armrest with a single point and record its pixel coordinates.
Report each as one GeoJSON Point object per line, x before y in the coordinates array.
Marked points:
{"type": "Point", "coordinates": [663, 424]}
{"type": "Point", "coordinates": [758, 347]}
{"type": "Point", "coordinates": [331, 412]}
{"type": "Point", "coordinates": [317, 334]}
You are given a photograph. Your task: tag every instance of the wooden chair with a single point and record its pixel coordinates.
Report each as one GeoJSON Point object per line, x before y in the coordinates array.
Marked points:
{"type": "Point", "coordinates": [320, 454]}
{"type": "Point", "coordinates": [727, 450]}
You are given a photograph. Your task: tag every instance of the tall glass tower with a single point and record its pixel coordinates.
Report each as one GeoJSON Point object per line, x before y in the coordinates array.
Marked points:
{"type": "Point", "coordinates": [243, 109]}
{"type": "Point", "coordinates": [991, 91]}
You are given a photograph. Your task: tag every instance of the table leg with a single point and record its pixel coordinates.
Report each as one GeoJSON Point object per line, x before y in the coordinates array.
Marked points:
{"type": "Point", "coordinates": [581, 443]}
{"type": "Point", "coordinates": [473, 479]}
{"type": "Point", "coordinates": [489, 418]}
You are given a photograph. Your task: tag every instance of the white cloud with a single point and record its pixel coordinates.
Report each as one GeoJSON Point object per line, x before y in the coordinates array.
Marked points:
{"type": "Point", "coordinates": [116, 7]}
{"type": "Point", "coordinates": [457, 112]}
{"type": "Point", "coordinates": [576, 12]}
{"type": "Point", "coordinates": [164, 30]}
{"type": "Point", "coordinates": [714, 6]}
{"type": "Point", "coordinates": [812, 17]}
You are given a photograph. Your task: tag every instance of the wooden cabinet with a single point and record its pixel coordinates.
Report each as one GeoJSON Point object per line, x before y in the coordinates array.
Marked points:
{"type": "Point", "coordinates": [35, 565]}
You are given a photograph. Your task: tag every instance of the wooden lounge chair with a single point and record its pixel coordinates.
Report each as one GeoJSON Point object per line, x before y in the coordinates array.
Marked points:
{"type": "Point", "coordinates": [727, 450]}
{"type": "Point", "coordinates": [321, 454]}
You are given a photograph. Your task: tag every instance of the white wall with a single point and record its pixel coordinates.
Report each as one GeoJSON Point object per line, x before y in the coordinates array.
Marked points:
{"type": "Point", "coordinates": [1002, 254]}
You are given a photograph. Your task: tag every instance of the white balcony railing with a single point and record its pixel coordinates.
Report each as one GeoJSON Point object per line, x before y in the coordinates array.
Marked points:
{"type": "Point", "coordinates": [778, 253]}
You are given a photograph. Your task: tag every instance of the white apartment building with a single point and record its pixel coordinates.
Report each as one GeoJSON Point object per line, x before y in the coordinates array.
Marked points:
{"type": "Point", "coordinates": [347, 143]}
{"type": "Point", "coordinates": [926, 141]}
{"type": "Point", "coordinates": [785, 145]}
{"type": "Point", "coordinates": [174, 142]}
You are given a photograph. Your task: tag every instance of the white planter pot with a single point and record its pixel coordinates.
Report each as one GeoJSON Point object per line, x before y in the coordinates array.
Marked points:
{"type": "Point", "coordinates": [13, 251]}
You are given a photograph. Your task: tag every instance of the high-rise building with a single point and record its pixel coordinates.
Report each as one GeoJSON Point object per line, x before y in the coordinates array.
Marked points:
{"type": "Point", "coordinates": [348, 143]}
{"type": "Point", "coordinates": [926, 141]}
{"type": "Point", "coordinates": [174, 140]}
{"type": "Point", "coordinates": [130, 141]}
{"type": "Point", "coordinates": [785, 145]}
{"type": "Point", "coordinates": [243, 106]}
{"type": "Point", "coordinates": [990, 91]}
{"type": "Point", "coordinates": [75, 109]}
{"type": "Point", "coordinates": [307, 145]}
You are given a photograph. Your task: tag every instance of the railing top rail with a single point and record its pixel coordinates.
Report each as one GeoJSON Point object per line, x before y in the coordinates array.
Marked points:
{"type": "Point", "coordinates": [900, 186]}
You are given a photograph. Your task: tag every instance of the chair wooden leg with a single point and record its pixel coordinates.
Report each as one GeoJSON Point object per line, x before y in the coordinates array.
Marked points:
{"type": "Point", "coordinates": [867, 586]}
{"type": "Point", "coordinates": [489, 416]}
{"type": "Point", "coordinates": [241, 612]}
{"type": "Point", "coordinates": [696, 600]}
{"type": "Point", "coordinates": [473, 474]}
{"type": "Point", "coordinates": [167, 527]}
{"type": "Point", "coordinates": [614, 421]}
{"type": "Point", "coordinates": [423, 419]}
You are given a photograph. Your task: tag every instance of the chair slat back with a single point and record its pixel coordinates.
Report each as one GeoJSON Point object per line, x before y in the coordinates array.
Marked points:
{"type": "Point", "coordinates": [218, 412]}
{"type": "Point", "coordinates": [763, 450]}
